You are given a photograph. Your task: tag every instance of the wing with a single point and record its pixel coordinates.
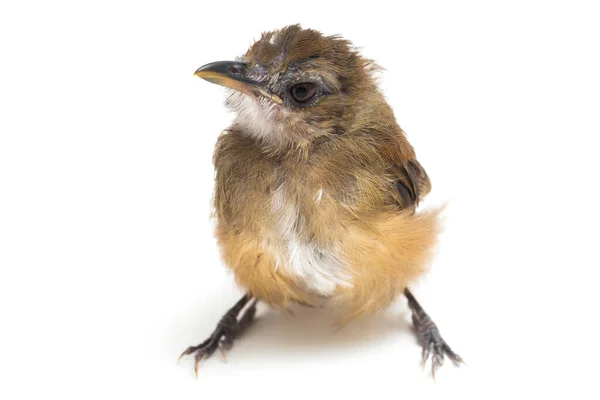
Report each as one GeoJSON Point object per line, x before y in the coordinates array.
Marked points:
{"type": "Point", "coordinates": [412, 183]}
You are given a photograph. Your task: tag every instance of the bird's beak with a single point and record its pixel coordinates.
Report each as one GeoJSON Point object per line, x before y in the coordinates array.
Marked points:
{"type": "Point", "coordinates": [232, 74]}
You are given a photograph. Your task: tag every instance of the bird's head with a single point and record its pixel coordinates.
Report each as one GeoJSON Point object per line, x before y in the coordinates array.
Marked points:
{"type": "Point", "coordinates": [296, 85]}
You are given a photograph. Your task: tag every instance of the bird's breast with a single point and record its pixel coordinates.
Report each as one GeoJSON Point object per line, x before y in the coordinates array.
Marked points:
{"type": "Point", "coordinates": [299, 249]}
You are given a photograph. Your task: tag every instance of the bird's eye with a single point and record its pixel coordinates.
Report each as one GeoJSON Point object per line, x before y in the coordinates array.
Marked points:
{"type": "Point", "coordinates": [303, 92]}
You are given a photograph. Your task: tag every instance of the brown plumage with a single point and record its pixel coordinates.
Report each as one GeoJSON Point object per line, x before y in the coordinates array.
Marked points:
{"type": "Point", "coordinates": [348, 146]}
{"type": "Point", "coordinates": [316, 184]}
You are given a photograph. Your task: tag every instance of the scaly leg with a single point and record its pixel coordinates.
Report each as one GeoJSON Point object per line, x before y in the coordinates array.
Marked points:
{"type": "Point", "coordinates": [429, 336]}
{"type": "Point", "coordinates": [229, 327]}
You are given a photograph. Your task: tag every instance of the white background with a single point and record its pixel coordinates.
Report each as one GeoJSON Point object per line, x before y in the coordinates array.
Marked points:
{"type": "Point", "coordinates": [108, 264]}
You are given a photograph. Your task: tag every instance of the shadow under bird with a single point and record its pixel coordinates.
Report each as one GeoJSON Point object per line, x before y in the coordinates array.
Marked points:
{"type": "Point", "coordinates": [316, 188]}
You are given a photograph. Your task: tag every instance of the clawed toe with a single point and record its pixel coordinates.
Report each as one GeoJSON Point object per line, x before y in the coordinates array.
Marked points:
{"type": "Point", "coordinates": [228, 328]}
{"type": "Point", "coordinates": [429, 337]}
{"type": "Point", "coordinates": [435, 346]}
{"type": "Point", "coordinates": [220, 339]}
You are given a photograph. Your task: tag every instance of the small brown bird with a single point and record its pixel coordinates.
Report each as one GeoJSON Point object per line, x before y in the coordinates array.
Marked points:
{"type": "Point", "coordinates": [316, 188]}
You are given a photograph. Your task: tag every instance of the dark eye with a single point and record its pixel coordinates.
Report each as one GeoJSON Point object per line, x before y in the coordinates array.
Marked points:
{"type": "Point", "coordinates": [303, 92]}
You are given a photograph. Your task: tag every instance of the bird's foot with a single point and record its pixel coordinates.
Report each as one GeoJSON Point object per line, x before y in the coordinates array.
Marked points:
{"type": "Point", "coordinates": [429, 337]}
{"type": "Point", "coordinates": [433, 344]}
{"type": "Point", "coordinates": [229, 327]}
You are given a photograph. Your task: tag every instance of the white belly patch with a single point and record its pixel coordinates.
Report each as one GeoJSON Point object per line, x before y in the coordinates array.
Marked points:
{"type": "Point", "coordinates": [320, 269]}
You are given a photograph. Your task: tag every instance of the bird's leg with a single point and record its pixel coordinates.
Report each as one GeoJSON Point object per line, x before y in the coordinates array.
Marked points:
{"type": "Point", "coordinates": [231, 325]}
{"type": "Point", "coordinates": [429, 336]}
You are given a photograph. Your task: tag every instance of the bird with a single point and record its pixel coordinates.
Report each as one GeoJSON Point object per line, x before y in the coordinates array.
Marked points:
{"type": "Point", "coordinates": [316, 189]}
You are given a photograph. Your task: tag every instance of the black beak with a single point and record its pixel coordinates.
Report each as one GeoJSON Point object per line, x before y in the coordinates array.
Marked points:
{"type": "Point", "coordinates": [232, 74]}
